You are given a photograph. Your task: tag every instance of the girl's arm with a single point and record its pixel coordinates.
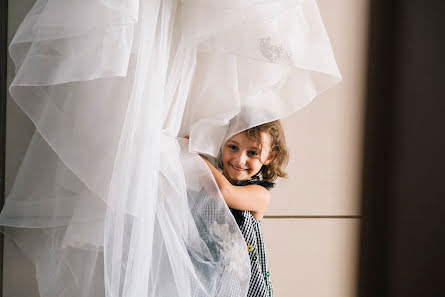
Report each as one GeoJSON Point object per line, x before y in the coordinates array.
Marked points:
{"type": "Point", "coordinates": [250, 197]}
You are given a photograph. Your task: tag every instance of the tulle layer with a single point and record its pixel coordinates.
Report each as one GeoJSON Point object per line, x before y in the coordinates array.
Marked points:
{"type": "Point", "coordinates": [109, 200]}
{"type": "Point", "coordinates": [265, 65]}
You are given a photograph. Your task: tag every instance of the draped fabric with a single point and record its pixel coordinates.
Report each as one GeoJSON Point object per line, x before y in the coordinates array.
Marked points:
{"type": "Point", "coordinates": [110, 199]}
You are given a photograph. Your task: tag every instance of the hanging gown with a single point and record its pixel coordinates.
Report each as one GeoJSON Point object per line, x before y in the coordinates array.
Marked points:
{"type": "Point", "coordinates": [109, 199]}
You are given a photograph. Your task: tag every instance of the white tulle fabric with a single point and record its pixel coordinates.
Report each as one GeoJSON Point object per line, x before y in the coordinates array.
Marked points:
{"type": "Point", "coordinates": [110, 200]}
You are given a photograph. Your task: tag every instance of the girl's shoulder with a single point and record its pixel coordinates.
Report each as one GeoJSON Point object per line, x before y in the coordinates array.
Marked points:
{"type": "Point", "coordinates": [256, 180]}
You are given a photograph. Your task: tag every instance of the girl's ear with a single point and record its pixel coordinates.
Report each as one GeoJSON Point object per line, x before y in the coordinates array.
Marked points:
{"type": "Point", "coordinates": [270, 158]}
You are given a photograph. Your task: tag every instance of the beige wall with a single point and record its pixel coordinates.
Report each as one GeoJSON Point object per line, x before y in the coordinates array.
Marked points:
{"type": "Point", "coordinates": [311, 253]}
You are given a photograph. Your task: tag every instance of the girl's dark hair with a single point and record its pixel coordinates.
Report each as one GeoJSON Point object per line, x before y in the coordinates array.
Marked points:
{"type": "Point", "coordinates": [275, 168]}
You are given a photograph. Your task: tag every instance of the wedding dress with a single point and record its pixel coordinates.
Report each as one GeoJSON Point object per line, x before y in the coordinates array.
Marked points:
{"type": "Point", "coordinates": [110, 199]}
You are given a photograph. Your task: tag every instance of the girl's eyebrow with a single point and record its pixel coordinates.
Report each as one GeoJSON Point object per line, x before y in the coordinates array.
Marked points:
{"type": "Point", "coordinates": [250, 148]}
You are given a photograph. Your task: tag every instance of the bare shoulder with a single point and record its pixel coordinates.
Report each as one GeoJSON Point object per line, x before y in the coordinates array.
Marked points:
{"type": "Point", "coordinates": [258, 215]}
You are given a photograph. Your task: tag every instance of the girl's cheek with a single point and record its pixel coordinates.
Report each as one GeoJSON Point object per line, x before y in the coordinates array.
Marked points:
{"type": "Point", "coordinates": [230, 155]}
{"type": "Point", "coordinates": [226, 154]}
{"type": "Point", "coordinates": [226, 157]}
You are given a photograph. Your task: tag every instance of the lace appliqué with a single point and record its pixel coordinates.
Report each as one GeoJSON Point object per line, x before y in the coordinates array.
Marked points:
{"type": "Point", "coordinates": [274, 53]}
{"type": "Point", "coordinates": [231, 250]}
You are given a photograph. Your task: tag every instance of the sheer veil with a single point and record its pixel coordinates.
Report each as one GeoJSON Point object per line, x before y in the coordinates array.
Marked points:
{"type": "Point", "coordinates": [110, 200]}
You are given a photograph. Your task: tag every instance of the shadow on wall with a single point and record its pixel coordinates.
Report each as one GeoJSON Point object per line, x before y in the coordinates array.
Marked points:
{"type": "Point", "coordinates": [402, 234]}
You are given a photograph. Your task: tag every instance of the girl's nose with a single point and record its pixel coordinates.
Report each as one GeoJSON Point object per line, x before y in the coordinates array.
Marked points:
{"type": "Point", "coordinates": [242, 158]}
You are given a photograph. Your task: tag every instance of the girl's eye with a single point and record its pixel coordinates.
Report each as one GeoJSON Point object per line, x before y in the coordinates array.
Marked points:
{"type": "Point", "coordinates": [232, 147]}
{"type": "Point", "coordinates": [253, 153]}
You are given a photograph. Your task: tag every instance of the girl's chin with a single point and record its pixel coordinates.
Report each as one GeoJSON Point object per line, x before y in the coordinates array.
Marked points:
{"type": "Point", "coordinates": [236, 176]}
{"type": "Point", "coordinates": [239, 176]}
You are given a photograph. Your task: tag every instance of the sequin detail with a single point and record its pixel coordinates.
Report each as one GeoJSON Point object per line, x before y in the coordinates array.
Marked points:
{"type": "Point", "coordinates": [274, 53]}
{"type": "Point", "coordinates": [229, 249]}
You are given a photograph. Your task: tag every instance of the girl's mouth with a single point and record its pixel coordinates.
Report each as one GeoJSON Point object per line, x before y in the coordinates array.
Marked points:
{"type": "Point", "coordinates": [238, 168]}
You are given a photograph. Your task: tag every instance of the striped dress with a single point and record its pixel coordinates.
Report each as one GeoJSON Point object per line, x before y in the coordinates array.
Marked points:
{"type": "Point", "coordinates": [260, 284]}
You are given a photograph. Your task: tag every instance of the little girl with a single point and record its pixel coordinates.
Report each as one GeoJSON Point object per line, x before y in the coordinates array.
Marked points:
{"type": "Point", "coordinates": [250, 162]}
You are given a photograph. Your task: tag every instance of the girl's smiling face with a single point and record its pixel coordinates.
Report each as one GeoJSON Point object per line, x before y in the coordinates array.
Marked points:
{"type": "Point", "coordinates": [243, 157]}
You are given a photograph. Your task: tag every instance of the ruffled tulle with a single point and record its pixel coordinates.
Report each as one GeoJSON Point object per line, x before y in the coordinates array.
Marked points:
{"type": "Point", "coordinates": [108, 200]}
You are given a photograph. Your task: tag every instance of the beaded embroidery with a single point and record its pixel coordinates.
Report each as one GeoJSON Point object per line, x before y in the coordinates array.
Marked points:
{"type": "Point", "coordinates": [229, 247]}
{"type": "Point", "coordinates": [274, 53]}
